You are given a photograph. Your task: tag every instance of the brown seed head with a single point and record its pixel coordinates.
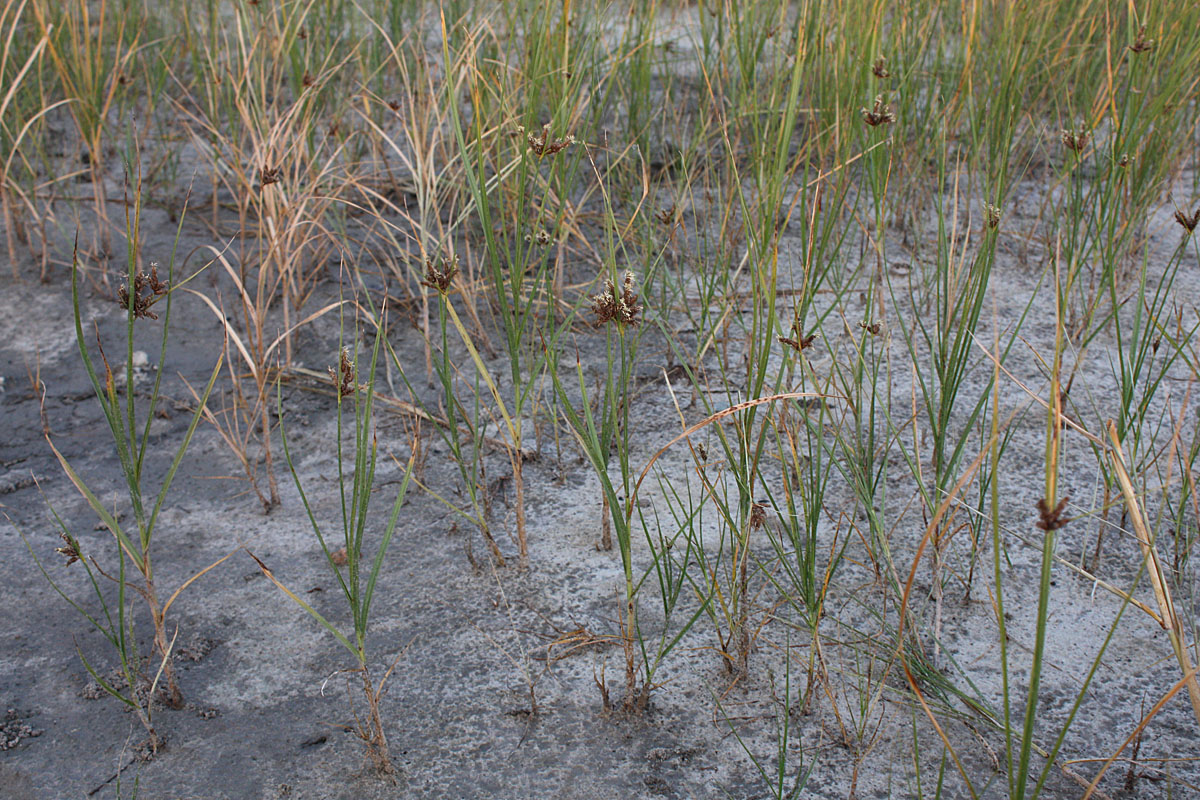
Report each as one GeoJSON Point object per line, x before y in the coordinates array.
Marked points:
{"type": "Point", "coordinates": [800, 343]}
{"type": "Point", "coordinates": [343, 377]}
{"type": "Point", "coordinates": [758, 515]}
{"type": "Point", "coordinates": [992, 213]}
{"type": "Point", "coordinates": [1188, 221]}
{"type": "Point", "coordinates": [1074, 140]}
{"type": "Point", "coordinates": [440, 278]}
{"type": "Point", "coordinates": [880, 114]}
{"type": "Point", "coordinates": [145, 289]}
{"type": "Point", "coordinates": [69, 550]}
{"type": "Point", "coordinates": [879, 68]}
{"type": "Point", "coordinates": [268, 175]}
{"type": "Point", "coordinates": [544, 144]}
{"type": "Point", "coordinates": [668, 215]}
{"type": "Point", "coordinates": [622, 308]}
{"type": "Point", "coordinates": [1051, 519]}
{"type": "Point", "coordinates": [1141, 44]}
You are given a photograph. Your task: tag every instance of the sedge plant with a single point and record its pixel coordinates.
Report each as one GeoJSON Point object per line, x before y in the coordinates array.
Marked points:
{"type": "Point", "coordinates": [129, 572]}
{"type": "Point", "coordinates": [357, 570]}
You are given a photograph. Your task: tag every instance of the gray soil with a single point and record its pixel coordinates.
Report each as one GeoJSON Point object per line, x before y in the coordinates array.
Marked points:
{"type": "Point", "coordinates": [490, 697]}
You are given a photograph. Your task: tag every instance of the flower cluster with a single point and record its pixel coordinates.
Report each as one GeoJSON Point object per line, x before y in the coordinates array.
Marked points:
{"type": "Point", "coordinates": [623, 308]}
{"type": "Point", "coordinates": [992, 213]}
{"type": "Point", "coordinates": [343, 378]}
{"type": "Point", "coordinates": [880, 114]}
{"type": "Point", "coordinates": [544, 144]}
{"type": "Point", "coordinates": [1188, 221]}
{"type": "Point", "coordinates": [440, 278]}
{"type": "Point", "coordinates": [268, 175]}
{"type": "Point", "coordinates": [145, 289]}
{"type": "Point", "coordinates": [1141, 44]}
{"type": "Point", "coordinates": [1074, 140]}
{"type": "Point", "coordinates": [1051, 519]}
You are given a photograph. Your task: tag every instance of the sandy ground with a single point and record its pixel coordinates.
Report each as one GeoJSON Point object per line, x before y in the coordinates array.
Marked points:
{"type": "Point", "coordinates": [269, 713]}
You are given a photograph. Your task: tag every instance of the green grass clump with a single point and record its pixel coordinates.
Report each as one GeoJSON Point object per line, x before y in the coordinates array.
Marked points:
{"type": "Point", "coordinates": [137, 682]}
{"type": "Point", "coordinates": [869, 324]}
{"type": "Point", "coordinates": [357, 570]}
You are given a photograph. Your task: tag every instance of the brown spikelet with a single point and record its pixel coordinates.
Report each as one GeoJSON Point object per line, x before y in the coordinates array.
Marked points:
{"type": "Point", "coordinates": [440, 277]}
{"type": "Point", "coordinates": [622, 308]}
{"type": "Point", "coordinates": [1051, 519]}
{"type": "Point", "coordinates": [146, 288]}
{"type": "Point", "coordinates": [1188, 221]}
{"type": "Point", "coordinates": [880, 113]}
{"type": "Point", "coordinates": [1074, 140]}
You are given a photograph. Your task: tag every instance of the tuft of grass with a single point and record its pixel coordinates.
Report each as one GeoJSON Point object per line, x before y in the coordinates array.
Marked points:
{"type": "Point", "coordinates": [143, 297]}
{"type": "Point", "coordinates": [795, 213]}
{"type": "Point", "coordinates": [356, 569]}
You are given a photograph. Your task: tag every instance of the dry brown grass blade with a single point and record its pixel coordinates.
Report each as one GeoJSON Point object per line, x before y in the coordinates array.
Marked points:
{"type": "Point", "coordinates": [197, 576]}
{"type": "Point", "coordinates": [288, 374]}
{"type": "Point", "coordinates": [930, 529]}
{"type": "Point", "coordinates": [1188, 679]}
{"type": "Point", "coordinates": [704, 423]}
{"type": "Point", "coordinates": [1090, 577]}
{"type": "Point", "coordinates": [1063, 419]}
{"type": "Point", "coordinates": [231, 332]}
{"type": "Point", "coordinates": [1162, 591]}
